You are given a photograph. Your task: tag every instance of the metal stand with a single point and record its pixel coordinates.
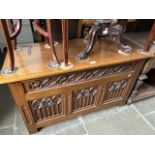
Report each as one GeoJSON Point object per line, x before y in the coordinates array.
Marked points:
{"type": "Point", "coordinates": [8, 70]}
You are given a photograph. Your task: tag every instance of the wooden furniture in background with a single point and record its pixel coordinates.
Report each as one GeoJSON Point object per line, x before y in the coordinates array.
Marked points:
{"type": "Point", "coordinates": [145, 85]}
{"type": "Point", "coordinates": [65, 40]}
{"type": "Point", "coordinates": [150, 38]}
{"type": "Point", "coordinates": [15, 29]}
{"type": "Point", "coordinates": [49, 34]}
{"type": "Point", "coordinates": [12, 29]}
{"type": "Point", "coordinates": [81, 23]}
{"type": "Point", "coordinates": [5, 31]}
{"type": "Point", "coordinates": [45, 96]}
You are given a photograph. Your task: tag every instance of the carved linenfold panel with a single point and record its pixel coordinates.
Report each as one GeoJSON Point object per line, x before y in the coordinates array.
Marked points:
{"type": "Point", "coordinates": [115, 90]}
{"type": "Point", "coordinates": [44, 102]}
{"type": "Point", "coordinates": [85, 92]}
{"type": "Point", "coordinates": [75, 77]}
{"type": "Point", "coordinates": [84, 98]}
{"type": "Point", "coordinates": [117, 85]}
{"type": "Point", "coordinates": [47, 107]}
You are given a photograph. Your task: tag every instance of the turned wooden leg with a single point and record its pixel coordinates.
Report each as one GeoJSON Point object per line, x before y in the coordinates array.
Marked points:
{"type": "Point", "coordinates": [35, 39]}
{"type": "Point", "coordinates": [65, 40]}
{"type": "Point", "coordinates": [15, 30]}
{"type": "Point", "coordinates": [48, 34]}
{"type": "Point", "coordinates": [8, 43]}
{"type": "Point", "coordinates": [8, 38]}
{"type": "Point", "coordinates": [12, 29]}
{"type": "Point", "coordinates": [51, 40]}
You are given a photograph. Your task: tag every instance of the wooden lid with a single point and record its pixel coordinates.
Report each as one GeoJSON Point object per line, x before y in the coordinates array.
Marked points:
{"type": "Point", "coordinates": [36, 65]}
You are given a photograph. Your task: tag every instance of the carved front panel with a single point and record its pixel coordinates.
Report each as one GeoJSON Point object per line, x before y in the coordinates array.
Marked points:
{"type": "Point", "coordinates": [84, 98]}
{"type": "Point", "coordinates": [75, 77]}
{"type": "Point", "coordinates": [47, 107]}
{"type": "Point", "coordinates": [115, 90]}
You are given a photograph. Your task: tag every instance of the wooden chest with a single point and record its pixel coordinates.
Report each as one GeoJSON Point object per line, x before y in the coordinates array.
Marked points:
{"type": "Point", "coordinates": [45, 96]}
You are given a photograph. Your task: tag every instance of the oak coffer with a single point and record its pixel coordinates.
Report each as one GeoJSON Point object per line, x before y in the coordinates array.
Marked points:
{"type": "Point", "coordinates": [45, 96]}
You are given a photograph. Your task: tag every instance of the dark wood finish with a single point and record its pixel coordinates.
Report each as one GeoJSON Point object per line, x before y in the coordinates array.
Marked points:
{"type": "Point", "coordinates": [9, 38]}
{"type": "Point", "coordinates": [8, 43]}
{"type": "Point", "coordinates": [90, 38]}
{"type": "Point", "coordinates": [48, 34]}
{"type": "Point", "coordinates": [51, 39]}
{"type": "Point", "coordinates": [99, 30]}
{"type": "Point", "coordinates": [35, 39]}
{"type": "Point", "coordinates": [12, 29]}
{"type": "Point", "coordinates": [16, 29]}
{"type": "Point", "coordinates": [150, 38]}
{"type": "Point", "coordinates": [65, 40]}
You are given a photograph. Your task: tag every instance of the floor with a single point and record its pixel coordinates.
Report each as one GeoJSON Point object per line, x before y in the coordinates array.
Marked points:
{"type": "Point", "coordinates": [135, 119]}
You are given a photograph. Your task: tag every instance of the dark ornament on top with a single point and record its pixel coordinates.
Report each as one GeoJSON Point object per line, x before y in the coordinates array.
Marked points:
{"type": "Point", "coordinates": [104, 28]}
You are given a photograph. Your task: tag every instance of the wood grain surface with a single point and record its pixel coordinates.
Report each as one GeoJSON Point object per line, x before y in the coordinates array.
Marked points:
{"type": "Point", "coordinates": [104, 53]}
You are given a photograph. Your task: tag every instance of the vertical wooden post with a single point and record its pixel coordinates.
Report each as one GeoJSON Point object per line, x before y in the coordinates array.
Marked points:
{"type": "Point", "coordinates": [51, 40]}
{"type": "Point", "coordinates": [80, 23]}
{"type": "Point", "coordinates": [65, 40]}
{"type": "Point", "coordinates": [12, 29]}
{"type": "Point", "coordinates": [48, 34]}
{"type": "Point", "coordinates": [149, 39]}
{"type": "Point", "coordinates": [8, 43]}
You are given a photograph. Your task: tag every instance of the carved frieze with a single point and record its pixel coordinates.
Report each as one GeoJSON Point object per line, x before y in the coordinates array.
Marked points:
{"type": "Point", "coordinates": [76, 77]}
